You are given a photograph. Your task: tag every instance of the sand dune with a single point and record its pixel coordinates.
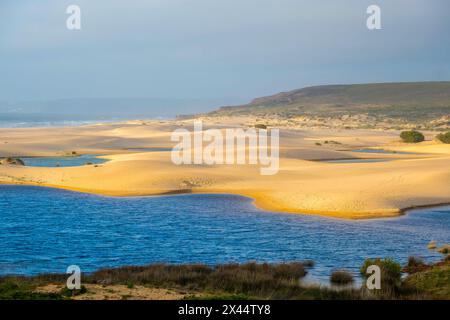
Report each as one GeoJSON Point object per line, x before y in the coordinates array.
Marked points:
{"type": "Point", "coordinates": [344, 190]}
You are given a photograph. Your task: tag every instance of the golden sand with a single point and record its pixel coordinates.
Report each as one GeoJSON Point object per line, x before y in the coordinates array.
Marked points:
{"type": "Point", "coordinates": [343, 190]}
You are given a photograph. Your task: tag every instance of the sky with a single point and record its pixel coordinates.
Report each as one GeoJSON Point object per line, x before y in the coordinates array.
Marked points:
{"type": "Point", "coordinates": [215, 49]}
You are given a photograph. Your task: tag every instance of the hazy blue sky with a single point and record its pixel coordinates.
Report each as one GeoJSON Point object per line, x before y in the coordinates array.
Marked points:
{"type": "Point", "coordinates": [207, 49]}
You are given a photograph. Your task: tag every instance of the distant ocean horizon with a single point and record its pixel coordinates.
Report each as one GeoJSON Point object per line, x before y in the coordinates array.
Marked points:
{"type": "Point", "coordinates": [81, 111]}
{"type": "Point", "coordinates": [12, 120]}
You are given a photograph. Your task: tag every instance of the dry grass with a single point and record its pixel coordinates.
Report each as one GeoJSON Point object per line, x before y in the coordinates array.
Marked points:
{"type": "Point", "coordinates": [227, 281]}
{"type": "Point", "coordinates": [341, 277]}
{"type": "Point", "coordinates": [249, 280]}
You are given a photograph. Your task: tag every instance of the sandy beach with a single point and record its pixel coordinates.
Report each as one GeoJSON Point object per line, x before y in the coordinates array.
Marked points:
{"type": "Point", "coordinates": [418, 175]}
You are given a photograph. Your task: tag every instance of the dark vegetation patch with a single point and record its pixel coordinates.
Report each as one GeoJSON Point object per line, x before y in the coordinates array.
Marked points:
{"type": "Point", "coordinates": [444, 137]}
{"type": "Point", "coordinates": [412, 136]}
{"type": "Point", "coordinates": [341, 277]}
{"type": "Point", "coordinates": [248, 281]}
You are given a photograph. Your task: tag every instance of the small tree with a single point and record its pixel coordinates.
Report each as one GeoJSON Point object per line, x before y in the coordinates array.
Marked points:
{"type": "Point", "coordinates": [444, 137]}
{"type": "Point", "coordinates": [412, 136]}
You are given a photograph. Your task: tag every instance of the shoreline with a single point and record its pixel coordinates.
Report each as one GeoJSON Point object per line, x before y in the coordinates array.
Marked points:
{"type": "Point", "coordinates": [303, 185]}
{"type": "Point", "coordinates": [259, 204]}
{"type": "Point", "coordinates": [333, 215]}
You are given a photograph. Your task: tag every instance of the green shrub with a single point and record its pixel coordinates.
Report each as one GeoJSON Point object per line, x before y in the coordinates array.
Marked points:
{"type": "Point", "coordinates": [415, 261]}
{"type": "Point", "coordinates": [390, 273]}
{"type": "Point", "coordinates": [415, 264]}
{"type": "Point", "coordinates": [341, 277]}
{"type": "Point", "coordinates": [260, 126]}
{"type": "Point", "coordinates": [16, 290]}
{"type": "Point", "coordinates": [433, 283]}
{"type": "Point", "coordinates": [412, 136]}
{"type": "Point", "coordinates": [66, 292]}
{"type": "Point", "coordinates": [444, 137]}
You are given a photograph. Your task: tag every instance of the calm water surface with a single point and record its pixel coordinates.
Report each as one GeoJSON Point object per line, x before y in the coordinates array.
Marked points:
{"type": "Point", "coordinates": [63, 161]}
{"type": "Point", "coordinates": [45, 230]}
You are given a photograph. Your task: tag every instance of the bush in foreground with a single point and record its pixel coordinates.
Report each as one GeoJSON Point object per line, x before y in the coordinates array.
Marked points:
{"type": "Point", "coordinates": [226, 281]}
{"type": "Point", "coordinates": [444, 137]}
{"type": "Point", "coordinates": [415, 264]}
{"type": "Point", "coordinates": [238, 281]}
{"type": "Point", "coordinates": [66, 292]}
{"type": "Point", "coordinates": [391, 272]}
{"type": "Point", "coordinates": [341, 277]}
{"type": "Point", "coordinates": [412, 136]}
{"type": "Point", "coordinates": [432, 283]}
{"type": "Point", "coordinates": [251, 280]}
{"type": "Point", "coordinates": [17, 290]}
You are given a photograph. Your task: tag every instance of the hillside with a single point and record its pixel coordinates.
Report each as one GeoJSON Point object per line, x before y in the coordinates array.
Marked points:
{"type": "Point", "coordinates": [416, 102]}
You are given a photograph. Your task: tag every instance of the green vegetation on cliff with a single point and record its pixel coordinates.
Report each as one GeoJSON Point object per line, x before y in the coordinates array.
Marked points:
{"type": "Point", "coordinates": [415, 101]}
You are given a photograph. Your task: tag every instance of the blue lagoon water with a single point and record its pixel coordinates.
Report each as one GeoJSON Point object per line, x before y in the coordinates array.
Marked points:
{"type": "Point", "coordinates": [46, 230]}
{"type": "Point", "coordinates": [62, 161]}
